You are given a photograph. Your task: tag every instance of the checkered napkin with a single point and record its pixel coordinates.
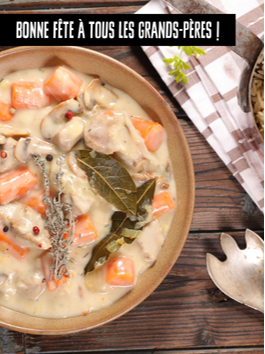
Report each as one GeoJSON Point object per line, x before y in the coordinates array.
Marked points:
{"type": "Point", "coordinates": [210, 97]}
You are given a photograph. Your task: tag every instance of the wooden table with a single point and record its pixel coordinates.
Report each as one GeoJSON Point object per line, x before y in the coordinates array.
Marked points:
{"type": "Point", "coordinates": [186, 313]}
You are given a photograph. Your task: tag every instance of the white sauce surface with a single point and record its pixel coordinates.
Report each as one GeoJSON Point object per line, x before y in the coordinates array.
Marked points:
{"type": "Point", "coordinates": [73, 298]}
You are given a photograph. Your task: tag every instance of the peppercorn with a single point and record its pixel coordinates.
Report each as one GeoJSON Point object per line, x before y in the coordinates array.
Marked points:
{"type": "Point", "coordinates": [69, 115]}
{"type": "Point", "coordinates": [49, 157]}
{"type": "Point", "coordinates": [5, 229]}
{"type": "Point", "coordinates": [36, 230]}
{"type": "Point", "coordinates": [3, 154]}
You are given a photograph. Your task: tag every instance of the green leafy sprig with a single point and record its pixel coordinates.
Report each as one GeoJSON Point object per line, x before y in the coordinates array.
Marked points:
{"type": "Point", "coordinates": [180, 65]}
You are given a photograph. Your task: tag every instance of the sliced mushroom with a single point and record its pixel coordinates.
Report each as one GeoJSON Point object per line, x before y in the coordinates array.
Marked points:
{"type": "Point", "coordinates": [22, 219]}
{"type": "Point", "coordinates": [151, 240]}
{"type": "Point", "coordinates": [8, 131]}
{"type": "Point", "coordinates": [70, 134]}
{"type": "Point", "coordinates": [55, 120]}
{"type": "Point", "coordinates": [97, 94]}
{"type": "Point", "coordinates": [9, 161]}
{"type": "Point", "coordinates": [26, 147]}
{"type": "Point", "coordinates": [141, 165]}
{"type": "Point", "coordinates": [161, 183]}
{"type": "Point", "coordinates": [3, 278]}
{"type": "Point", "coordinates": [30, 286]}
{"type": "Point", "coordinates": [72, 163]}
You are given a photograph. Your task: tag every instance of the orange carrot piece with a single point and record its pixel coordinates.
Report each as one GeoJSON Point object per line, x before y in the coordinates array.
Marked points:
{"type": "Point", "coordinates": [109, 113]}
{"type": "Point", "coordinates": [85, 231]}
{"type": "Point", "coordinates": [5, 114]}
{"type": "Point", "coordinates": [142, 125]}
{"type": "Point", "coordinates": [46, 263]}
{"type": "Point", "coordinates": [151, 132]}
{"type": "Point", "coordinates": [15, 184]}
{"type": "Point", "coordinates": [120, 272]}
{"type": "Point", "coordinates": [154, 137]}
{"type": "Point", "coordinates": [162, 203]}
{"type": "Point", "coordinates": [27, 94]}
{"type": "Point", "coordinates": [35, 201]}
{"type": "Point", "coordinates": [10, 246]}
{"type": "Point", "coordinates": [62, 84]}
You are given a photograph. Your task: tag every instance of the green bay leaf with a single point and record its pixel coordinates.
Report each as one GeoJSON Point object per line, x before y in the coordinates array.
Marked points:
{"type": "Point", "coordinates": [110, 179]}
{"type": "Point", "coordinates": [120, 220]}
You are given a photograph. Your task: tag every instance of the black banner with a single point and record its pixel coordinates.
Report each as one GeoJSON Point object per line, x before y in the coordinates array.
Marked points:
{"type": "Point", "coordinates": [94, 29]}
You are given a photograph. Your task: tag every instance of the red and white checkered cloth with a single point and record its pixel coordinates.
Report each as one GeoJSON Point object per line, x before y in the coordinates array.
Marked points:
{"type": "Point", "coordinates": [210, 99]}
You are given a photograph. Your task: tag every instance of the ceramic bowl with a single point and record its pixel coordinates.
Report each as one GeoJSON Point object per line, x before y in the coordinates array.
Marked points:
{"type": "Point", "coordinates": [124, 78]}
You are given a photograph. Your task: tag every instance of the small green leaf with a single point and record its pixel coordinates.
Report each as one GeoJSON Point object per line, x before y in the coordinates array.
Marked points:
{"type": "Point", "coordinates": [179, 64]}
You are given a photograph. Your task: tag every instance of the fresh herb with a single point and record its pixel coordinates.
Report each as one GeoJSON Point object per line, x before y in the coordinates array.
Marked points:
{"type": "Point", "coordinates": [110, 179]}
{"type": "Point", "coordinates": [122, 222]}
{"type": "Point", "coordinates": [60, 229]}
{"type": "Point", "coordinates": [180, 65]}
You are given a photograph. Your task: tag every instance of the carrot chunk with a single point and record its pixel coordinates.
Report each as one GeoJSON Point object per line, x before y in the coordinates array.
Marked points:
{"type": "Point", "coordinates": [35, 201]}
{"type": "Point", "coordinates": [154, 137]}
{"type": "Point", "coordinates": [15, 184]}
{"type": "Point", "coordinates": [142, 125]}
{"type": "Point", "coordinates": [26, 94]}
{"type": "Point", "coordinates": [10, 246]}
{"type": "Point", "coordinates": [5, 112]}
{"type": "Point", "coordinates": [162, 203]}
{"type": "Point", "coordinates": [62, 84]}
{"type": "Point", "coordinates": [120, 272]}
{"type": "Point", "coordinates": [51, 283]}
{"type": "Point", "coordinates": [85, 231]}
{"type": "Point", "coordinates": [151, 132]}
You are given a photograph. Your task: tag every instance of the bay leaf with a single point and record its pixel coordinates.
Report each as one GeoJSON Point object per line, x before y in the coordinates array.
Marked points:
{"type": "Point", "coordinates": [110, 179]}
{"type": "Point", "coordinates": [120, 220]}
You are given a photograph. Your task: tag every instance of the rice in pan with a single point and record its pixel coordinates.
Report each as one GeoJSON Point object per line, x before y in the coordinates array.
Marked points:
{"type": "Point", "coordinates": [257, 94]}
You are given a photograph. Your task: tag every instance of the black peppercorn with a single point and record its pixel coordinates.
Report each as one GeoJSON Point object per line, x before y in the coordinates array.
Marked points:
{"type": "Point", "coordinates": [49, 157]}
{"type": "Point", "coordinates": [5, 229]}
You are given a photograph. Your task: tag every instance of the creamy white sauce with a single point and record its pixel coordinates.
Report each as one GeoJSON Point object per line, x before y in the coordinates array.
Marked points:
{"type": "Point", "coordinates": [74, 298]}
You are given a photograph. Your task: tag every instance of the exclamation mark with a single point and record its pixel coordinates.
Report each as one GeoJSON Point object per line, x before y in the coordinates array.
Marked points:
{"type": "Point", "coordinates": [217, 30]}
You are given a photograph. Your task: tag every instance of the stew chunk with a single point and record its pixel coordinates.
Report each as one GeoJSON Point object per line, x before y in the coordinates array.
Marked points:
{"type": "Point", "coordinates": [26, 94]}
{"type": "Point", "coordinates": [62, 84]}
{"type": "Point", "coordinates": [120, 272]}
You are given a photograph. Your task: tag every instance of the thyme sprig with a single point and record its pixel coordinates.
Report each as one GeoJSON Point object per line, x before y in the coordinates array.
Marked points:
{"type": "Point", "coordinates": [180, 65]}
{"type": "Point", "coordinates": [60, 229]}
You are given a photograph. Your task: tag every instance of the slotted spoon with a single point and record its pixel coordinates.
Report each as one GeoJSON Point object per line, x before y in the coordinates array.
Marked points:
{"type": "Point", "coordinates": [241, 275]}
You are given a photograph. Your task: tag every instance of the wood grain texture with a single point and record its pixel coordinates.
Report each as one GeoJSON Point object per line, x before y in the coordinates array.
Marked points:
{"type": "Point", "coordinates": [183, 312]}
{"type": "Point", "coordinates": [11, 342]}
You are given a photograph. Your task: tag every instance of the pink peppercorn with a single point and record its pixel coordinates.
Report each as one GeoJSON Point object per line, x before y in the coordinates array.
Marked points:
{"type": "Point", "coordinates": [36, 230]}
{"type": "Point", "coordinates": [69, 115]}
{"type": "Point", "coordinates": [3, 154]}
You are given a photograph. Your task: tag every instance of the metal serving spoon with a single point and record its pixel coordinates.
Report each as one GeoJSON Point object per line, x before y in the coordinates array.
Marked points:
{"type": "Point", "coordinates": [241, 275]}
{"type": "Point", "coordinates": [248, 45]}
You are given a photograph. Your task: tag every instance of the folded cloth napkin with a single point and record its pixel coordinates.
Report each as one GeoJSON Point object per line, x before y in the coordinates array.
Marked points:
{"type": "Point", "coordinates": [210, 97]}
